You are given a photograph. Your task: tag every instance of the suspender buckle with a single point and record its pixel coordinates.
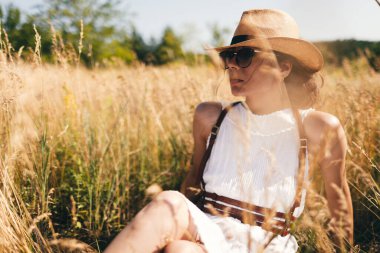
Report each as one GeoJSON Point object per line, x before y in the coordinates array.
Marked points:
{"type": "Point", "coordinates": [303, 143]}
{"type": "Point", "coordinates": [215, 130]}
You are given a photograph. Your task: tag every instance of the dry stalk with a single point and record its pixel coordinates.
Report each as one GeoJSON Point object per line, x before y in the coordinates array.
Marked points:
{"type": "Point", "coordinates": [7, 46]}
{"type": "Point", "coordinates": [37, 48]}
{"type": "Point", "coordinates": [72, 245]}
{"type": "Point", "coordinates": [80, 46]}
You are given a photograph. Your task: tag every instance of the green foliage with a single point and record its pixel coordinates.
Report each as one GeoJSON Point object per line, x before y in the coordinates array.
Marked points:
{"type": "Point", "coordinates": [88, 28]}
{"type": "Point", "coordinates": [169, 48]}
{"type": "Point", "coordinates": [335, 52]}
{"type": "Point", "coordinates": [21, 35]}
{"type": "Point", "coordinates": [12, 19]}
{"type": "Point", "coordinates": [144, 51]}
{"type": "Point", "coordinates": [118, 50]}
{"type": "Point", "coordinates": [96, 20]}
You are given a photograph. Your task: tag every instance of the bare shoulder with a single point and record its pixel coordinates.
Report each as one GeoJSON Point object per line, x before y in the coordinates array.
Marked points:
{"type": "Point", "coordinates": [205, 116]}
{"type": "Point", "coordinates": [322, 126]}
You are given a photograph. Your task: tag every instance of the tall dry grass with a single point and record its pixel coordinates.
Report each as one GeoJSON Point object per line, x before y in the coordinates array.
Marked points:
{"type": "Point", "coordinates": [79, 148]}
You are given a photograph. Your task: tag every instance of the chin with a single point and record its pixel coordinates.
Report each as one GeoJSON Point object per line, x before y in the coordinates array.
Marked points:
{"type": "Point", "coordinates": [237, 92]}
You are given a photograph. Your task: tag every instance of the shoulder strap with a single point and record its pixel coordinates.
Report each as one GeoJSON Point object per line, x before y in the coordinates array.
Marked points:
{"type": "Point", "coordinates": [214, 133]}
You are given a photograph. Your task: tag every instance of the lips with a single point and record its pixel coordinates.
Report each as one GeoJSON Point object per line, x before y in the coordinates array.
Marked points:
{"type": "Point", "coordinates": [234, 81]}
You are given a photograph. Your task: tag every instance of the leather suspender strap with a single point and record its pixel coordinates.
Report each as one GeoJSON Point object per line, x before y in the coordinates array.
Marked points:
{"type": "Point", "coordinates": [276, 222]}
{"type": "Point", "coordinates": [244, 205]}
{"type": "Point", "coordinates": [214, 133]}
{"type": "Point", "coordinates": [270, 224]}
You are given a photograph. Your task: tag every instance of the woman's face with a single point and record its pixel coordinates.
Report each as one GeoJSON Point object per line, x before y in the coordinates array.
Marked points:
{"type": "Point", "coordinates": [262, 75]}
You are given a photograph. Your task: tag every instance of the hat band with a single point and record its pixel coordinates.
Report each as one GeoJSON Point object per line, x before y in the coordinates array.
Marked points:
{"type": "Point", "coordinates": [241, 38]}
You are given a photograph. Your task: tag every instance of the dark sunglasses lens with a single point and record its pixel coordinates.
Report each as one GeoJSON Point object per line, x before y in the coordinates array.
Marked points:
{"type": "Point", "coordinates": [226, 55]}
{"type": "Point", "coordinates": [244, 57]}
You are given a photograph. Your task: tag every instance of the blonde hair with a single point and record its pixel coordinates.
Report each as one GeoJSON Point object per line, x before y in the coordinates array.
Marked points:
{"type": "Point", "coordinates": [303, 85]}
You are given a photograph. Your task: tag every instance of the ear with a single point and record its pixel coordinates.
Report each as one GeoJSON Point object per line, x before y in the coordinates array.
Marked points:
{"type": "Point", "coordinates": [285, 68]}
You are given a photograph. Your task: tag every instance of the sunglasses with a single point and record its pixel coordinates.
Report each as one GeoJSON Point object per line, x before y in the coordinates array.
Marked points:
{"type": "Point", "coordinates": [243, 55]}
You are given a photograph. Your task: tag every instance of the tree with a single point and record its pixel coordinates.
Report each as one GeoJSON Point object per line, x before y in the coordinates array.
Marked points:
{"type": "Point", "coordinates": [99, 19]}
{"type": "Point", "coordinates": [22, 34]}
{"type": "Point", "coordinates": [143, 50]}
{"type": "Point", "coordinates": [10, 20]}
{"type": "Point", "coordinates": [170, 47]}
{"type": "Point", "coordinates": [120, 50]}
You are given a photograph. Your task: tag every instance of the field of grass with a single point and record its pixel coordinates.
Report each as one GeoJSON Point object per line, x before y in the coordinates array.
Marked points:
{"type": "Point", "coordinates": [80, 147]}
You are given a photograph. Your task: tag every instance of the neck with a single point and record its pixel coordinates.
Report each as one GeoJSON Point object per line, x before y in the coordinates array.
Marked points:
{"type": "Point", "coordinates": [268, 102]}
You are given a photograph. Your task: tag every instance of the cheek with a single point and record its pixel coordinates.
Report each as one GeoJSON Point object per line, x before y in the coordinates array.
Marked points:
{"type": "Point", "coordinates": [266, 74]}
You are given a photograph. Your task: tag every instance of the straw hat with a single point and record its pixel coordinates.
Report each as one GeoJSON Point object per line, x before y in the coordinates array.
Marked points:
{"type": "Point", "coordinates": [275, 30]}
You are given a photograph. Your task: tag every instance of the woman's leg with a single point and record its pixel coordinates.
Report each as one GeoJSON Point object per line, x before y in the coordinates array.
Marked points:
{"type": "Point", "coordinates": [183, 246]}
{"type": "Point", "coordinates": [164, 220]}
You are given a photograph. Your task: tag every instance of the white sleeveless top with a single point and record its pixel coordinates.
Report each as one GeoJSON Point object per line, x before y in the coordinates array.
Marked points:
{"type": "Point", "coordinates": [255, 159]}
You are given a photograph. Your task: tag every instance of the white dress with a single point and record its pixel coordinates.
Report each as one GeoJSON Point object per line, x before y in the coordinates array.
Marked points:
{"type": "Point", "coordinates": [254, 159]}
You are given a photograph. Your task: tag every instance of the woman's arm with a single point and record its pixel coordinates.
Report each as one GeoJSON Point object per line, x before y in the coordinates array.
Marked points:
{"type": "Point", "coordinates": [326, 131]}
{"type": "Point", "coordinates": [205, 117]}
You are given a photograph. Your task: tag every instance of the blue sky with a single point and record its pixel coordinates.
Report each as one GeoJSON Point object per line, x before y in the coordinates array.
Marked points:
{"type": "Point", "coordinates": [317, 19]}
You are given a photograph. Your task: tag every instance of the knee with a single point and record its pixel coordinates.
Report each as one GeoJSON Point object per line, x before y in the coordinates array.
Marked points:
{"type": "Point", "coordinates": [175, 203]}
{"type": "Point", "coordinates": [173, 198]}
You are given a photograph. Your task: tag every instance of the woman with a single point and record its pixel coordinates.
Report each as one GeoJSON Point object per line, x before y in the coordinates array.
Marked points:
{"type": "Point", "coordinates": [257, 169]}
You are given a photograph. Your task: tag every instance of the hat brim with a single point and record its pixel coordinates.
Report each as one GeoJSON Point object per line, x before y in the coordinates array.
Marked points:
{"type": "Point", "coordinates": [305, 52]}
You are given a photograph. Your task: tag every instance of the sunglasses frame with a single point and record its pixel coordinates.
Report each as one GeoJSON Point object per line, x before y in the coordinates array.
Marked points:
{"type": "Point", "coordinates": [234, 54]}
